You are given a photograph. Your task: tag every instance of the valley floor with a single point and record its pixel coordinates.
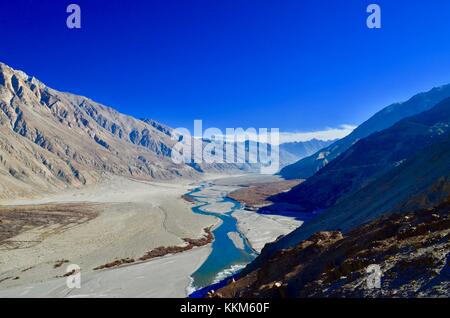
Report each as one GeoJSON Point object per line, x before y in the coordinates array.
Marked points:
{"type": "Point", "coordinates": [166, 277]}
{"type": "Point", "coordinates": [119, 221]}
{"type": "Point", "coordinates": [259, 229]}
{"type": "Point", "coordinates": [132, 218]}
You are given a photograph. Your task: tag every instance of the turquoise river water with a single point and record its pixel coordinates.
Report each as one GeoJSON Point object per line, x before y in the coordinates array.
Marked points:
{"type": "Point", "coordinates": [225, 259]}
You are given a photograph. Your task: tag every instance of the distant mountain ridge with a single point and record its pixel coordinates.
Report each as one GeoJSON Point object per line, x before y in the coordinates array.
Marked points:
{"type": "Point", "coordinates": [302, 149]}
{"type": "Point", "coordinates": [290, 152]}
{"type": "Point", "coordinates": [385, 118]}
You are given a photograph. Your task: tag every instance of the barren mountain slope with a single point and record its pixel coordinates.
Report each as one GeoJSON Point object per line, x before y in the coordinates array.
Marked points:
{"type": "Point", "coordinates": [416, 157]}
{"type": "Point", "coordinates": [371, 157]}
{"type": "Point", "coordinates": [50, 140]}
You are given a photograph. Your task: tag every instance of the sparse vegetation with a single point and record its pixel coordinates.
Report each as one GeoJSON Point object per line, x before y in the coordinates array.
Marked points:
{"type": "Point", "coordinates": [258, 195]}
{"type": "Point", "coordinates": [162, 251]}
{"type": "Point", "coordinates": [17, 219]}
{"type": "Point", "coordinates": [412, 250]}
{"type": "Point", "coordinates": [60, 263]}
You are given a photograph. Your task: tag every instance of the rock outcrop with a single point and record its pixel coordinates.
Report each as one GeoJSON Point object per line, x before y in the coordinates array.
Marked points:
{"type": "Point", "coordinates": [411, 250]}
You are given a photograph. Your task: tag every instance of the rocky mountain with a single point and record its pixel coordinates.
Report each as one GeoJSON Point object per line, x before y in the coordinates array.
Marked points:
{"type": "Point", "coordinates": [308, 166]}
{"type": "Point", "coordinates": [51, 140]}
{"type": "Point", "coordinates": [369, 159]}
{"type": "Point", "coordinates": [420, 182]}
{"type": "Point", "coordinates": [289, 152]}
{"type": "Point", "coordinates": [410, 249]}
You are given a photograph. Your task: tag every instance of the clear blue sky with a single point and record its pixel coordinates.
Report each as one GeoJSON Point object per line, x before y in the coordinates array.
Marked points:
{"type": "Point", "coordinates": [299, 65]}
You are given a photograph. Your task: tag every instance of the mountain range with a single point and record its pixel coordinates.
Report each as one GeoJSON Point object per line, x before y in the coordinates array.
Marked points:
{"type": "Point", "coordinates": [380, 194]}
{"type": "Point", "coordinates": [385, 118]}
{"type": "Point", "coordinates": [402, 169]}
{"type": "Point", "coordinates": [369, 158]}
{"type": "Point", "coordinates": [52, 140]}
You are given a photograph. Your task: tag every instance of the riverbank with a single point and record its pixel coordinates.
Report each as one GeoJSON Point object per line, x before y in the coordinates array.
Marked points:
{"type": "Point", "coordinates": [241, 235]}
{"type": "Point", "coordinates": [252, 191]}
{"type": "Point", "coordinates": [260, 229]}
{"type": "Point", "coordinates": [257, 195]}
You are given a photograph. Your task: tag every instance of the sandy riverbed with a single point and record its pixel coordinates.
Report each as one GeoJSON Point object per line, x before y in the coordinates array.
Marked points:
{"type": "Point", "coordinates": [259, 229]}
{"type": "Point", "coordinates": [166, 277]}
{"type": "Point", "coordinates": [262, 229]}
{"type": "Point", "coordinates": [133, 218]}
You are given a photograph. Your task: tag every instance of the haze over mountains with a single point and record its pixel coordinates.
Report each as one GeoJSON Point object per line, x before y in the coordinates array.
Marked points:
{"type": "Point", "coordinates": [289, 152]}
{"type": "Point", "coordinates": [52, 140]}
{"type": "Point", "coordinates": [292, 150]}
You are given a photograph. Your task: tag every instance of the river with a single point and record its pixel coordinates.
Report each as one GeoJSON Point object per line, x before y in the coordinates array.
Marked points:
{"type": "Point", "coordinates": [226, 257]}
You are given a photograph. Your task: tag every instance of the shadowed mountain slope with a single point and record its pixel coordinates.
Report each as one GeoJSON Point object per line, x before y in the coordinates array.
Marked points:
{"type": "Point", "coordinates": [369, 159]}
{"type": "Point", "coordinates": [412, 250]}
{"type": "Point", "coordinates": [307, 167]}
{"type": "Point", "coordinates": [402, 169]}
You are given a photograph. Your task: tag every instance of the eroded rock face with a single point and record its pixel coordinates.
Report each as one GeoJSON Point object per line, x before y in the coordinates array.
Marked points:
{"type": "Point", "coordinates": [411, 249]}
{"type": "Point", "coordinates": [50, 140]}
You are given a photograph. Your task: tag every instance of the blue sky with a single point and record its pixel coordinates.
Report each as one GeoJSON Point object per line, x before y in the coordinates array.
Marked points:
{"type": "Point", "coordinates": [300, 65]}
